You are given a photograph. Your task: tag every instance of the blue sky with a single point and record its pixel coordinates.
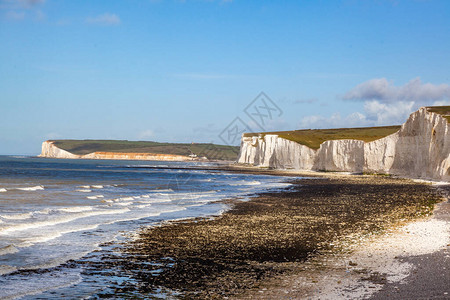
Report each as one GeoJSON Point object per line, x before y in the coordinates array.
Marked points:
{"type": "Point", "coordinates": [181, 71]}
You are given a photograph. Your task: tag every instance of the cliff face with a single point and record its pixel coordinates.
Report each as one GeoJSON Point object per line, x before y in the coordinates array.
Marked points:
{"type": "Point", "coordinates": [136, 156]}
{"type": "Point", "coordinates": [49, 150]}
{"type": "Point", "coordinates": [420, 149]}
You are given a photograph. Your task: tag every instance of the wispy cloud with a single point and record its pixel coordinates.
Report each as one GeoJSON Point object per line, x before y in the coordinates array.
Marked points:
{"type": "Point", "coordinates": [106, 19]}
{"type": "Point", "coordinates": [384, 103]}
{"type": "Point", "coordinates": [63, 22]}
{"type": "Point", "coordinates": [18, 10]}
{"type": "Point", "coordinates": [380, 89]}
{"type": "Point", "coordinates": [20, 4]}
{"type": "Point", "coordinates": [305, 101]}
{"type": "Point", "coordinates": [355, 119]}
{"type": "Point", "coordinates": [146, 134]}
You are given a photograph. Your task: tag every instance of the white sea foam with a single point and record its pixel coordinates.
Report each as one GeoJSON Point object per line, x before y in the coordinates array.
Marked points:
{"type": "Point", "coordinates": [84, 186]}
{"type": "Point", "coordinates": [123, 203]}
{"type": "Point", "coordinates": [95, 197]}
{"type": "Point", "coordinates": [5, 269]}
{"type": "Point", "coordinates": [143, 205]}
{"type": "Point", "coordinates": [84, 191]}
{"type": "Point", "coordinates": [8, 249]}
{"type": "Point", "coordinates": [44, 211]}
{"type": "Point", "coordinates": [53, 235]}
{"type": "Point", "coordinates": [17, 216]}
{"type": "Point", "coordinates": [76, 209]}
{"type": "Point", "coordinates": [60, 220]}
{"type": "Point", "coordinates": [97, 186]}
{"type": "Point", "coordinates": [156, 200]}
{"type": "Point", "coordinates": [254, 182]}
{"type": "Point", "coordinates": [33, 188]}
{"type": "Point", "coordinates": [163, 190]}
{"type": "Point", "coordinates": [2, 190]}
{"type": "Point", "coordinates": [14, 288]}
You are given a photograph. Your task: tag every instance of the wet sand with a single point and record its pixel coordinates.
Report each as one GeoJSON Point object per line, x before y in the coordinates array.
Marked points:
{"type": "Point", "coordinates": [253, 248]}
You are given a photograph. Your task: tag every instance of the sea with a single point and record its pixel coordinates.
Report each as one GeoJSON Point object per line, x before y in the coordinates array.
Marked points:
{"type": "Point", "coordinates": [55, 212]}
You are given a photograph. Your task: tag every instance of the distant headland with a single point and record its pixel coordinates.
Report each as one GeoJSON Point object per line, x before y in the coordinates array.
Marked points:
{"type": "Point", "coordinates": [136, 150]}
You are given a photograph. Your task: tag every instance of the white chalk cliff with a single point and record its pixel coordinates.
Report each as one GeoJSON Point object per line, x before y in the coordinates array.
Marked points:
{"type": "Point", "coordinates": [49, 150]}
{"type": "Point", "coordinates": [420, 149]}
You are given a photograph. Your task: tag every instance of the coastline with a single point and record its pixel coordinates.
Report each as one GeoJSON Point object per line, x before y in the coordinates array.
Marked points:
{"type": "Point", "coordinates": [409, 260]}
{"type": "Point", "coordinates": [255, 246]}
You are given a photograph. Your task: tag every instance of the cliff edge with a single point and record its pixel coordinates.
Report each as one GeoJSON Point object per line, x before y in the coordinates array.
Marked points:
{"type": "Point", "coordinates": [419, 149]}
{"type": "Point", "coordinates": [50, 150]}
{"type": "Point", "coordinates": [137, 150]}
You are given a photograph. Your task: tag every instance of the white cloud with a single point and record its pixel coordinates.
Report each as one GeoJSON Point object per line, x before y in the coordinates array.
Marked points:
{"type": "Point", "coordinates": [306, 101]}
{"type": "Point", "coordinates": [385, 91]}
{"type": "Point", "coordinates": [18, 10]}
{"type": "Point", "coordinates": [146, 134]}
{"type": "Point", "coordinates": [30, 3]}
{"type": "Point", "coordinates": [335, 121]}
{"type": "Point", "coordinates": [375, 113]}
{"type": "Point", "coordinates": [20, 4]}
{"type": "Point", "coordinates": [389, 113]}
{"type": "Point", "coordinates": [384, 103]}
{"type": "Point", "coordinates": [441, 103]}
{"type": "Point", "coordinates": [106, 19]}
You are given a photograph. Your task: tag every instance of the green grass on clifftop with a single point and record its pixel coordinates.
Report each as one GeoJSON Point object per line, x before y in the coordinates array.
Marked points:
{"type": "Point", "coordinates": [312, 138]}
{"type": "Point", "coordinates": [211, 151]}
{"type": "Point", "coordinates": [442, 110]}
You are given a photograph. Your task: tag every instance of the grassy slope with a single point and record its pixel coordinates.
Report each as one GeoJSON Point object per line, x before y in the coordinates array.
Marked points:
{"type": "Point", "coordinates": [442, 110]}
{"type": "Point", "coordinates": [313, 138]}
{"type": "Point", "coordinates": [211, 151]}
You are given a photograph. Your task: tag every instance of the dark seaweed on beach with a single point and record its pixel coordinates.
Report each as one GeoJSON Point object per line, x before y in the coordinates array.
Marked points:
{"type": "Point", "coordinates": [267, 236]}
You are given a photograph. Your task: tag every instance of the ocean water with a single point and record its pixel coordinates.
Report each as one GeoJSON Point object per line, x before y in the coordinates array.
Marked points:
{"type": "Point", "coordinates": [53, 212]}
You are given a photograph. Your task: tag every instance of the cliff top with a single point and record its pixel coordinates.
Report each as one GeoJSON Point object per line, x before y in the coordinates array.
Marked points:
{"type": "Point", "coordinates": [442, 110]}
{"type": "Point", "coordinates": [211, 151]}
{"type": "Point", "coordinates": [312, 138]}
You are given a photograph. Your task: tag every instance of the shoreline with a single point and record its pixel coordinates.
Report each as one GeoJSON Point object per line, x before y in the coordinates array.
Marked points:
{"type": "Point", "coordinates": [248, 247]}
{"type": "Point", "coordinates": [407, 261]}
